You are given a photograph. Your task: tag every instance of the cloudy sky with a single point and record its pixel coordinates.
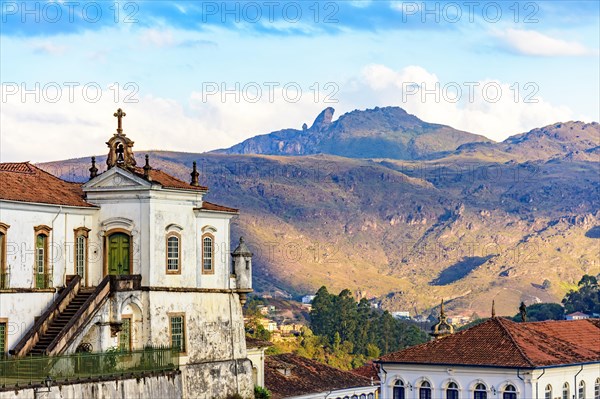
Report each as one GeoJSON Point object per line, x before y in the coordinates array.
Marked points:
{"type": "Point", "coordinates": [200, 75]}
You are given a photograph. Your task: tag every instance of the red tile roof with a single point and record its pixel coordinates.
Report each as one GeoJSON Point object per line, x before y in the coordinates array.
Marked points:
{"type": "Point", "coordinates": [307, 376]}
{"type": "Point", "coordinates": [24, 182]}
{"type": "Point", "coordinates": [369, 370]}
{"type": "Point", "coordinates": [257, 343]}
{"type": "Point", "coordinates": [504, 343]}
{"type": "Point", "coordinates": [166, 180]}
{"type": "Point", "coordinates": [209, 206]}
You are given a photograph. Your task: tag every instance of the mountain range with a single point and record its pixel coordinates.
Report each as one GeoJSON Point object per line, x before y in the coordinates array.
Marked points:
{"type": "Point", "coordinates": [406, 211]}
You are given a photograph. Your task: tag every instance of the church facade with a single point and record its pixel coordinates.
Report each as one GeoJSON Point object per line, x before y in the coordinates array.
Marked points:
{"type": "Point", "coordinates": [131, 258]}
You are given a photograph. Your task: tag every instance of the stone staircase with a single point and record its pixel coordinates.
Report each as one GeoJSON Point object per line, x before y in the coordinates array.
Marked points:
{"type": "Point", "coordinates": [60, 322]}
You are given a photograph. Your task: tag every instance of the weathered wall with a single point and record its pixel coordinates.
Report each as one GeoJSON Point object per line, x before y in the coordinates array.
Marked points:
{"type": "Point", "coordinates": [218, 379]}
{"type": "Point", "coordinates": [164, 386]}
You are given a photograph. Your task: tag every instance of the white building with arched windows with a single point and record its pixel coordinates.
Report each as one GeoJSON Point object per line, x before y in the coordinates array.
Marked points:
{"type": "Point", "coordinates": [500, 359]}
{"type": "Point", "coordinates": [133, 257]}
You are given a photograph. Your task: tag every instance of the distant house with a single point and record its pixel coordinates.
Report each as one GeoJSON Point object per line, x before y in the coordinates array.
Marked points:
{"type": "Point", "coordinates": [499, 359]}
{"type": "Point", "coordinates": [269, 325]}
{"type": "Point", "coordinates": [577, 316]}
{"type": "Point", "coordinates": [289, 376]}
{"type": "Point", "coordinates": [401, 315]}
{"type": "Point", "coordinates": [308, 298]}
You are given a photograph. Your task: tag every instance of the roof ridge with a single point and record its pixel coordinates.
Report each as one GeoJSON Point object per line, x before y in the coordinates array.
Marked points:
{"type": "Point", "coordinates": [512, 339]}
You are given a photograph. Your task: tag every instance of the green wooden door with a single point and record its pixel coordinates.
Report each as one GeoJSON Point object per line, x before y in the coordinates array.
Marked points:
{"type": "Point", "coordinates": [118, 254]}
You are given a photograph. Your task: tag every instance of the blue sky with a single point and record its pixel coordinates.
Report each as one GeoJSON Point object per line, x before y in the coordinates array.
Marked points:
{"type": "Point", "coordinates": [167, 64]}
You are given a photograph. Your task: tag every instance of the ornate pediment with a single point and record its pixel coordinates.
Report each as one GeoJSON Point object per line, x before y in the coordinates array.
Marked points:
{"type": "Point", "coordinates": [116, 179]}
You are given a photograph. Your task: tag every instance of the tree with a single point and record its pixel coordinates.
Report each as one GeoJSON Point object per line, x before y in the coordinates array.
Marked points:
{"type": "Point", "coordinates": [321, 321]}
{"type": "Point", "coordinates": [586, 299]}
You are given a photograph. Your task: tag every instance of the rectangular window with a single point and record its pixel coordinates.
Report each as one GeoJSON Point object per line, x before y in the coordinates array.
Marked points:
{"type": "Point", "coordinates": [173, 254]}
{"type": "Point", "coordinates": [80, 252]}
{"type": "Point", "coordinates": [3, 271]}
{"type": "Point", "coordinates": [207, 254]}
{"type": "Point", "coordinates": [125, 335]}
{"type": "Point", "coordinates": [3, 337]}
{"type": "Point", "coordinates": [178, 332]}
{"type": "Point", "coordinates": [41, 270]}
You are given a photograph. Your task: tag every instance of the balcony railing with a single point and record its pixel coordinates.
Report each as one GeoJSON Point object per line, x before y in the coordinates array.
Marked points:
{"type": "Point", "coordinates": [35, 370]}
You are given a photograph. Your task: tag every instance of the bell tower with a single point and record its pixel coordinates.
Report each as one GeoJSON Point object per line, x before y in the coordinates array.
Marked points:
{"type": "Point", "coordinates": [120, 151]}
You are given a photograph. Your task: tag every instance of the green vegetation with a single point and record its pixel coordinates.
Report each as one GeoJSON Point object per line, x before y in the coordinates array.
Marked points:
{"type": "Point", "coordinates": [348, 333]}
{"type": "Point", "coordinates": [261, 393]}
{"type": "Point", "coordinates": [254, 328]}
{"type": "Point", "coordinates": [585, 299]}
{"type": "Point", "coordinates": [542, 312]}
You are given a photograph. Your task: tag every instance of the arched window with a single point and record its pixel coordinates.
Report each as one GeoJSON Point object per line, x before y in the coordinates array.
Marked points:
{"type": "Point", "coordinates": [480, 392]}
{"type": "Point", "coordinates": [425, 390]}
{"type": "Point", "coordinates": [548, 392]}
{"type": "Point", "coordinates": [510, 392]}
{"type": "Point", "coordinates": [208, 253]}
{"type": "Point", "coordinates": [363, 396]}
{"type": "Point", "coordinates": [371, 396]}
{"type": "Point", "coordinates": [354, 396]}
{"type": "Point", "coordinates": [398, 392]}
{"type": "Point", "coordinates": [566, 391]}
{"type": "Point", "coordinates": [581, 390]}
{"type": "Point", "coordinates": [452, 391]}
{"type": "Point", "coordinates": [597, 389]}
{"type": "Point", "coordinates": [173, 253]}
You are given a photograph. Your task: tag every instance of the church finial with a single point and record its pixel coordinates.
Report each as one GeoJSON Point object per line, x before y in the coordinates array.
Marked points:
{"type": "Point", "coordinates": [442, 313]}
{"type": "Point", "coordinates": [442, 328]}
{"type": "Point", "coordinates": [119, 115]}
{"type": "Point", "coordinates": [147, 168]}
{"type": "Point", "coordinates": [493, 308]}
{"type": "Point", "coordinates": [523, 311]}
{"type": "Point", "coordinates": [194, 175]}
{"type": "Point", "coordinates": [93, 170]}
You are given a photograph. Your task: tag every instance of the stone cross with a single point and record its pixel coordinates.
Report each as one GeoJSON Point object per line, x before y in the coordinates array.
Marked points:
{"type": "Point", "coordinates": [119, 115]}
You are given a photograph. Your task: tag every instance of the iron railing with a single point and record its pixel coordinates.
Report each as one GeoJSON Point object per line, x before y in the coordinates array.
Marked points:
{"type": "Point", "coordinates": [36, 370]}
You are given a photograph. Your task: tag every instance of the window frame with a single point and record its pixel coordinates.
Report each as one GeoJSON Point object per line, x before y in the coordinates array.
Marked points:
{"type": "Point", "coordinates": [581, 390]}
{"type": "Point", "coordinates": [41, 230]}
{"type": "Point", "coordinates": [4, 276]}
{"type": "Point", "coordinates": [4, 337]}
{"type": "Point", "coordinates": [399, 388]}
{"type": "Point", "coordinates": [509, 392]}
{"type": "Point", "coordinates": [172, 315]}
{"type": "Point", "coordinates": [425, 390]}
{"type": "Point", "coordinates": [173, 234]}
{"type": "Point", "coordinates": [452, 387]}
{"type": "Point", "coordinates": [212, 258]}
{"type": "Point", "coordinates": [480, 393]}
{"type": "Point", "coordinates": [597, 388]}
{"type": "Point", "coordinates": [128, 317]}
{"type": "Point", "coordinates": [85, 233]}
{"type": "Point", "coordinates": [566, 391]}
{"type": "Point", "coordinates": [548, 392]}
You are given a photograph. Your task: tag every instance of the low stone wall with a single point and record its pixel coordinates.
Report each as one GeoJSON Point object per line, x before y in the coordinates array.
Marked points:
{"type": "Point", "coordinates": [167, 386]}
{"type": "Point", "coordinates": [218, 380]}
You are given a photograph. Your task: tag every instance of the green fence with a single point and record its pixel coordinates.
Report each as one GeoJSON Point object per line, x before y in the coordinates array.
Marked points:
{"type": "Point", "coordinates": [34, 370]}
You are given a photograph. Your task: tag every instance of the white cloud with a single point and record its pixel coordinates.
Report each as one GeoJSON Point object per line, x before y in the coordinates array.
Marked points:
{"type": "Point", "coordinates": [489, 107]}
{"type": "Point", "coordinates": [529, 42]}
{"type": "Point", "coordinates": [48, 48]}
{"type": "Point", "coordinates": [205, 122]}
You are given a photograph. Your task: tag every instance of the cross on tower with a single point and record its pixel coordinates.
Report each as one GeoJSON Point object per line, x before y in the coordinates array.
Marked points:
{"type": "Point", "coordinates": [119, 115]}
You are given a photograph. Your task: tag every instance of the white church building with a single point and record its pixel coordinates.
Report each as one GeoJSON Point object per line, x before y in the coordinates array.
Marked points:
{"type": "Point", "coordinates": [132, 257]}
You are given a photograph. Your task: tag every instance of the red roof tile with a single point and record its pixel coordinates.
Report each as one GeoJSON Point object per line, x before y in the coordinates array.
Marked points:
{"type": "Point", "coordinates": [504, 343]}
{"type": "Point", "coordinates": [307, 376]}
{"type": "Point", "coordinates": [27, 183]}
{"type": "Point", "coordinates": [209, 206]}
{"type": "Point", "coordinates": [257, 343]}
{"type": "Point", "coordinates": [166, 180]}
{"type": "Point", "coordinates": [369, 370]}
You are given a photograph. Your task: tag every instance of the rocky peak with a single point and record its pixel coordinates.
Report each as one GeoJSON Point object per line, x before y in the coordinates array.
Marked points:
{"type": "Point", "coordinates": [324, 119]}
